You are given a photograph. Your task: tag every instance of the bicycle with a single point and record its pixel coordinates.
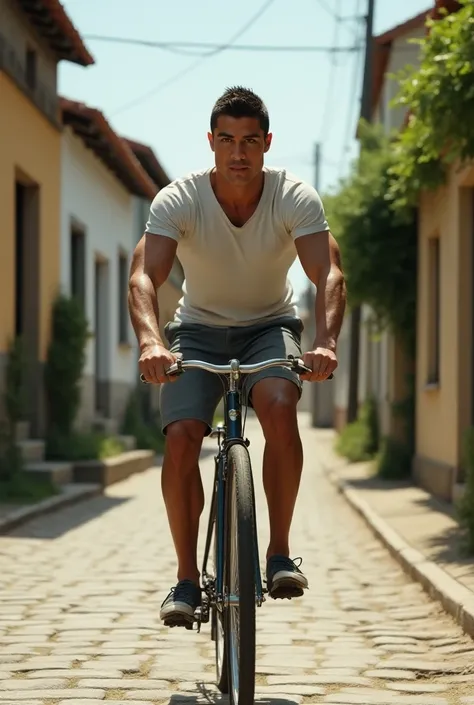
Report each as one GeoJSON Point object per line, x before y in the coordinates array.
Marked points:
{"type": "Point", "coordinates": [232, 588]}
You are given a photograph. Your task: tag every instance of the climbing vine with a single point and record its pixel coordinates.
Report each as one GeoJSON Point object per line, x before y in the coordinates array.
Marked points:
{"type": "Point", "coordinates": [439, 99]}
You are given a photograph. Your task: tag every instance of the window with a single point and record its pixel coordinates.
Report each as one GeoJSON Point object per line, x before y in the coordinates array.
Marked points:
{"type": "Point", "coordinates": [434, 311]}
{"type": "Point", "coordinates": [30, 73]}
{"type": "Point", "coordinates": [78, 265]}
{"type": "Point", "coordinates": [123, 297]}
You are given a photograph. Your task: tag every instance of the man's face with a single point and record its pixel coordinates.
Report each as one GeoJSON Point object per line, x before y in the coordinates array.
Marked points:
{"type": "Point", "coordinates": [239, 145]}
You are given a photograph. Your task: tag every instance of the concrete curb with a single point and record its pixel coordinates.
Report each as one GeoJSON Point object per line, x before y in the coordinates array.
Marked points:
{"type": "Point", "coordinates": [73, 495]}
{"type": "Point", "coordinates": [456, 599]}
{"type": "Point", "coordinates": [115, 469]}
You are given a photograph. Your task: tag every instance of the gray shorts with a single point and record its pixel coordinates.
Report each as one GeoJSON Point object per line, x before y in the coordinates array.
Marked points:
{"type": "Point", "coordinates": [197, 393]}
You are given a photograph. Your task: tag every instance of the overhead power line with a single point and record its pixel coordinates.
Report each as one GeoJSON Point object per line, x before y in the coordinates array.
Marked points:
{"type": "Point", "coordinates": [329, 10]}
{"type": "Point", "coordinates": [161, 86]}
{"type": "Point", "coordinates": [179, 47]}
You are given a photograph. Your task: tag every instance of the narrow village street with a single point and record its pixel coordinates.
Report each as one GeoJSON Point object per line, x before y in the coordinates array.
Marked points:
{"type": "Point", "coordinates": [80, 592]}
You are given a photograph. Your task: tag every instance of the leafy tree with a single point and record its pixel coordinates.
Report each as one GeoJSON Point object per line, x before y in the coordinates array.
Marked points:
{"type": "Point", "coordinates": [378, 241]}
{"type": "Point", "coordinates": [439, 96]}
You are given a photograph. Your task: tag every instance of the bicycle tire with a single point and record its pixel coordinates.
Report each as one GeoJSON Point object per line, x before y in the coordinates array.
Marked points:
{"type": "Point", "coordinates": [240, 576]}
{"type": "Point", "coordinates": [217, 618]}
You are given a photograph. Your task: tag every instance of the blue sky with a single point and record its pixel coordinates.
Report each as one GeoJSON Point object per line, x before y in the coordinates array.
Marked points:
{"type": "Point", "coordinates": [308, 98]}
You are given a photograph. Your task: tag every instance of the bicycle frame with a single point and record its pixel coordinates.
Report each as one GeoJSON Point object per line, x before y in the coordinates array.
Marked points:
{"type": "Point", "coordinates": [228, 434]}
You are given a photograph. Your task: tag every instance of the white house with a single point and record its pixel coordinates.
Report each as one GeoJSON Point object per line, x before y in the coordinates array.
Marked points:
{"type": "Point", "coordinates": [101, 178]}
{"type": "Point", "coordinates": [170, 293]}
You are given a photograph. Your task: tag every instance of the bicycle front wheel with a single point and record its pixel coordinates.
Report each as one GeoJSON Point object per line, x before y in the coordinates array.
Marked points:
{"type": "Point", "coordinates": [240, 577]}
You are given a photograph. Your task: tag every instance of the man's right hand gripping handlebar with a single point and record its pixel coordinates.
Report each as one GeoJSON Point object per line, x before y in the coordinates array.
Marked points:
{"type": "Point", "coordinates": [153, 363]}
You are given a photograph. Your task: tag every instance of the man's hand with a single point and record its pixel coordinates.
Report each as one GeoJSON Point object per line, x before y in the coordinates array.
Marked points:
{"type": "Point", "coordinates": [322, 361]}
{"type": "Point", "coordinates": [153, 363]}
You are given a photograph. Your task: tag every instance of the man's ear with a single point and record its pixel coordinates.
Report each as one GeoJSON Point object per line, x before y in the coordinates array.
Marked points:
{"type": "Point", "coordinates": [268, 142]}
{"type": "Point", "coordinates": [211, 140]}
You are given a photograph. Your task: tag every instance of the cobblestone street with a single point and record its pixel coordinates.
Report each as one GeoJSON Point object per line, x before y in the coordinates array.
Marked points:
{"type": "Point", "coordinates": [80, 592]}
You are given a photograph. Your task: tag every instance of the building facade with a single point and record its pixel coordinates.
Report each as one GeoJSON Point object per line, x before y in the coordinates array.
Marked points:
{"type": "Point", "coordinates": [34, 38]}
{"type": "Point", "coordinates": [101, 183]}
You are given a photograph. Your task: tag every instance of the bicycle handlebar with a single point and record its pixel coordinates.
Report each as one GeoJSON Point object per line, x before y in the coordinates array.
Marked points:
{"type": "Point", "coordinates": [291, 362]}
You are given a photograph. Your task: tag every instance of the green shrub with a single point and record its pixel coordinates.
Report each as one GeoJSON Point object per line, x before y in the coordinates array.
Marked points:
{"type": "Point", "coordinates": [15, 397]}
{"type": "Point", "coordinates": [465, 507]}
{"type": "Point", "coordinates": [359, 441]}
{"type": "Point", "coordinates": [65, 364]}
{"type": "Point", "coordinates": [24, 488]}
{"type": "Point", "coordinates": [82, 446]}
{"type": "Point", "coordinates": [147, 432]}
{"type": "Point", "coordinates": [393, 462]}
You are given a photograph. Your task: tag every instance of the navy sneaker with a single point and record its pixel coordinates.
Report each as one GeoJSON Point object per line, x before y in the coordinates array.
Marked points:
{"type": "Point", "coordinates": [284, 578]}
{"type": "Point", "coordinates": [179, 606]}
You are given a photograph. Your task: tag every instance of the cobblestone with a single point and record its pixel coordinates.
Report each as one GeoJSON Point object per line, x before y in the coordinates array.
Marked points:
{"type": "Point", "coordinates": [80, 593]}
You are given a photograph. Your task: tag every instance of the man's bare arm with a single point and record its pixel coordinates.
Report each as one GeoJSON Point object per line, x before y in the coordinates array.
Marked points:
{"type": "Point", "coordinates": [151, 264]}
{"type": "Point", "coordinates": [321, 260]}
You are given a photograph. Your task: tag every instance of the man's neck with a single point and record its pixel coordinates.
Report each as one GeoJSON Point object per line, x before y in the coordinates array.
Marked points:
{"type": "Point", "coordinates": [243, 196]}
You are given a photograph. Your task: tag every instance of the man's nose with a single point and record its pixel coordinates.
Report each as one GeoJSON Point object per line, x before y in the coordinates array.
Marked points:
{"type": "Point", "coordinates": [238, 151]}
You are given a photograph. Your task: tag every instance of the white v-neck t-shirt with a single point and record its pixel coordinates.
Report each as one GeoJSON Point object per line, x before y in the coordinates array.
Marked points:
{"type": "Point", "coordinates": [236, 276]}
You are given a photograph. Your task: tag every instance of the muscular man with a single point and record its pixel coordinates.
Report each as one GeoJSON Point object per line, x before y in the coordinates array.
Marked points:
{"type": "Point", "coordinates": [237, 228]}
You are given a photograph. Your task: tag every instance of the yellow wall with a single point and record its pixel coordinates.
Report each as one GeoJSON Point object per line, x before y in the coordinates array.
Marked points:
{"type": "Point", "coordinates": [30, 143]}
{"type": "Point", "coordinates": [443, 410]}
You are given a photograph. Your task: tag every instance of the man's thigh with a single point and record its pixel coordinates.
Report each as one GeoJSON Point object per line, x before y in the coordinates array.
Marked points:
{"type": "Point", "coordinates": [196, 393]}
{"type": "Point", "coordinates": [276, 339]}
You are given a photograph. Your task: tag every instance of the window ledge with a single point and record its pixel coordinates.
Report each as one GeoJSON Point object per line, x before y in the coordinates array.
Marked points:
{"type": "Point", "coordinates": [432, 386]}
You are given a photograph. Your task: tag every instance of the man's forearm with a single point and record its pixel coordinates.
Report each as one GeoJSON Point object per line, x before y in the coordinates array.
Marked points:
{"type": "Point", "coordinates": [330, 306]}
{"type": "Point", "coordinates": [144, 312]}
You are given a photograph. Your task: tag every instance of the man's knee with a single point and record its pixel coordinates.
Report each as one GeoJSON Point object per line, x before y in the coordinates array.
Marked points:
{"type": "Point", "coordinates": [275, 402]}
{"type": "Point", "coordinates": [184, 440]}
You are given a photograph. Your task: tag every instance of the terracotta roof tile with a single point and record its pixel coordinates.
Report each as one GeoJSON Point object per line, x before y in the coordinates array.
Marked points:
{"type": "Point", "coordinates": [53, 23]}
{"type": "Point", "coordinates": [149, 162]}
{"type": "Point", "coordinates": [92, 127]}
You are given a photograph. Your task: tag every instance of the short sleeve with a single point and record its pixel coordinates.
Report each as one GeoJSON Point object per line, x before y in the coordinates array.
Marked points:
{"type": "Point", "coordinates": [170, 213]}
{"type": "Point", "coordinates": [303, 210]}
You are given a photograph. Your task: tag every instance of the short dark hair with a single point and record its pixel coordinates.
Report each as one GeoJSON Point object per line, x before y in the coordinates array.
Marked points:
{"type": "Point", "coordinates": [241, 102]}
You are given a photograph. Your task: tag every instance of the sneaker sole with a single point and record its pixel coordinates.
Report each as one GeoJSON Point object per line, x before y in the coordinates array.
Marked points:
{"type": "Point", "coordinates": [175, 616]}
{"type": "Point", "coordinates": [287, 587]}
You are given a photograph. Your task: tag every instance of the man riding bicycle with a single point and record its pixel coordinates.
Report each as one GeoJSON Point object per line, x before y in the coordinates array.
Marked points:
{"type": "Point", "coordinates": [237, 228]}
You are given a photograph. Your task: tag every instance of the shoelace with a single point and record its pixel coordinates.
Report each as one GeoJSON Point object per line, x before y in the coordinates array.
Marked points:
{"type": "Point", "coordinates": [283, 563]}
{"type": "Point", "coordinates": [184, 592]}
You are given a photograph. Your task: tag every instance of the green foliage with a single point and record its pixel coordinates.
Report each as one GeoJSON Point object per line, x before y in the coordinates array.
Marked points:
{"type": "Point", "coordinates": [11, 462]}
{"type": "Point", "coordinates": [359, 441]}
{"type": "Point", "coordinates": [465, 507]}
{"type": "Point", "coordinates": [378, 242]}
{"type": "Point", "coordinates": [440, 98]}
{"type": "Point", "coordinates": [23, 488]}
{"type": "Point", "coordinates": [65, 364]}
{"type": "Point", "coordinates": [146, 431]}
{"type": "Point", "coordinates": [15, 484]}
{"type": "Point", "coordinates": [393, 462]}
{"type": "Point", "coordinates": [76, 447]}
{"type": "Point", "coordinates": [15, 400]}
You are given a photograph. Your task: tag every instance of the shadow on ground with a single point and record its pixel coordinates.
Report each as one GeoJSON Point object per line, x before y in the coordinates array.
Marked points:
{"type": "Point", "coordinates": [205, 695]}
{"type": "Point", "coordinates": [53, 525]}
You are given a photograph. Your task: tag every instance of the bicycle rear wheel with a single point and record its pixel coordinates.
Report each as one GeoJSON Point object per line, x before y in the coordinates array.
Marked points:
{"type": "Point", "coordinates": [240, 577]}
{"type": "Point", "coordinates": [217, 615]}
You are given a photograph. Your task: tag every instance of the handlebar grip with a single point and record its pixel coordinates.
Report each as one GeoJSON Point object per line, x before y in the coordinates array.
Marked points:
{"type": "Point", "coordinates": [175, 369]}
{"type": "Point", "coordinates": [302, 369]}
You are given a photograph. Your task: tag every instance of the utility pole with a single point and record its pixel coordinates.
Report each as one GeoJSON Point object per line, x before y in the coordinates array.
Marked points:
{"type": "Point", "coordinates": [366, 114]}
{"type": "Point", "coordinates": [311, 293]}
{"type": "Point", "coordinates": [317, 165]}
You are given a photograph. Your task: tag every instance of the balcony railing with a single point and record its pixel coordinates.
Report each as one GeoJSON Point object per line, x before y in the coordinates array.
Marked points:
{"type": "Point", "coordinates": [44, 98]}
